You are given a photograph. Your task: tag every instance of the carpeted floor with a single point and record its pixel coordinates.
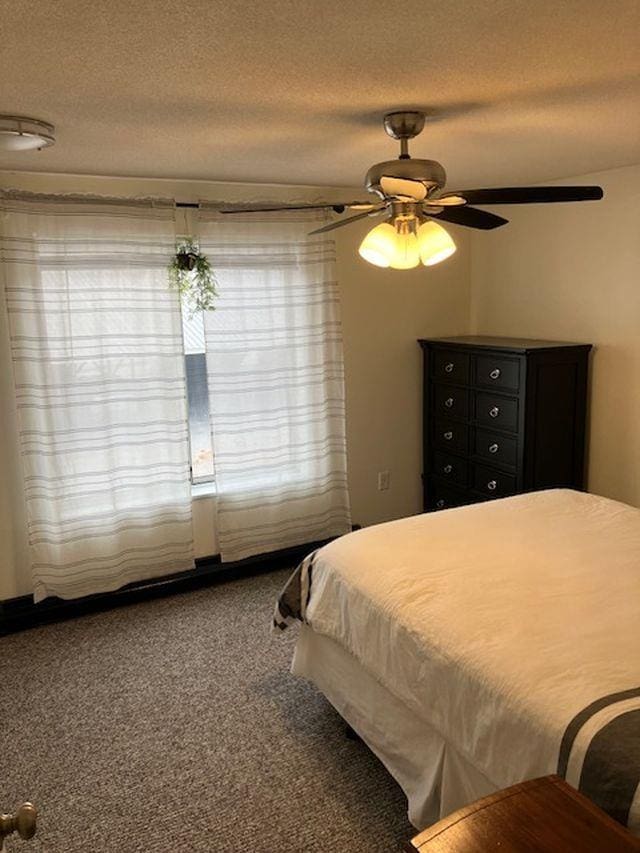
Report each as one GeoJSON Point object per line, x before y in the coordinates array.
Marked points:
{"type": "Point", "coordinates": [174, 725]}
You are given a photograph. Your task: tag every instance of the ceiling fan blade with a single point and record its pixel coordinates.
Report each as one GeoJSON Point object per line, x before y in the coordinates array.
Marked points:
{"type": "Point", "coordinates": [332, 225]}
{"type": "Point", "coordinates": [531, 195]}
{"type": "Point", "coordinates": [404, 189]}
{"type": "Point", "coordinates": [450, 200]}
{"type": "Point", "coordinates": [338, 207]}
{"type": "Point", "coordinates": [471, 217]}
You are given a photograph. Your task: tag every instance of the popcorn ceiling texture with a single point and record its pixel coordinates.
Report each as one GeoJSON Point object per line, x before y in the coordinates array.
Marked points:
{"type": "Point", "coordinates": [174, 725]}
{"type": "Point", "coordinates": [291, 92]}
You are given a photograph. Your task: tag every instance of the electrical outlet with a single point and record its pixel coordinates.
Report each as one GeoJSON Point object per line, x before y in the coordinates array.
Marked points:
{"type": "Point", "coordinates": [383, 481]}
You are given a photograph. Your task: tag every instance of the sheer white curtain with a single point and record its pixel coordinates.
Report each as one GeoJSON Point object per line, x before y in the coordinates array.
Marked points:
{"type": "Point", "coordinates": [276, 387]}
{"type": "Point", "coordinates": [99, 373]}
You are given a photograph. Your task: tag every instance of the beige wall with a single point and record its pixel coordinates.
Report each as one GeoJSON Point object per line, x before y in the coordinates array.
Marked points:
{"type": "Point", "coordinates": [383, 314]}
{"type": "Point", "coordinates": [572, 272]}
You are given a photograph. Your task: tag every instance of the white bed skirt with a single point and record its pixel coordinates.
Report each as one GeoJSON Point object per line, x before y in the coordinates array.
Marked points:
{"type": "Point", "coordinates": [436, 779]}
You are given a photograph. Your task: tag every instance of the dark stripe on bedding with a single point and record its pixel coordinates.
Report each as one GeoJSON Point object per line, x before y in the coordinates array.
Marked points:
{"type": "Point", "coordinates": [581, 718]}
{"type": "Point", "coordinates": [290, 606]}
{"type": "Point", "coordinates": [611, 768]}
{"type": "Point", "coordinates": [309, 580]}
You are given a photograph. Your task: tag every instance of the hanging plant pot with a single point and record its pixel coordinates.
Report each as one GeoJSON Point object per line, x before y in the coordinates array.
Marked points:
{"type": "Point", "coordinates": [186, 260]}
{"type": "Point", "coordinates": [191, 275]}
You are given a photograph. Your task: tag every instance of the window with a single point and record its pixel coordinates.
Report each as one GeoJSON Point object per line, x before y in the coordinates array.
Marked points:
{"type": "Point", "coordinates": [197, 395]}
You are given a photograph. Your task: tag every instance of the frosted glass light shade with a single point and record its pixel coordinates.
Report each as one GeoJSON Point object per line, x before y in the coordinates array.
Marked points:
{"type": "Point", "coordinates": [435, 244]}
{"type": "Point", "coordinates": [407, 252]}
{"type": "Point", "coordinates": [379, 245]}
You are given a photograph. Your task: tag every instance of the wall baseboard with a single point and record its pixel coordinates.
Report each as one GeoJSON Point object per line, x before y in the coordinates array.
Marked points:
{"type": "Point", "coordinates": [19, 614]}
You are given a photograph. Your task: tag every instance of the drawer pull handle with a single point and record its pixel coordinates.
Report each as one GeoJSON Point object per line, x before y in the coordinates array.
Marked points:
{"type": "Point", "coordinates": [448, 368]}
{"type": "Point", "coordinates": [440, 503]}
{"type": "Point", "coordinates": [448, 469]}
{"type": "Point", "coordinates": [492, 485]}
{"type": "Point", "coordinates": [449, 402]}
{"type": "Point", "coordinates": [493, 448]}
{"type": "Point", "coordinates": [448, 435]}
{"type": "Point", "coordinates": [495, 374]}
{"type": "Point", "coordinates": [494, 412]}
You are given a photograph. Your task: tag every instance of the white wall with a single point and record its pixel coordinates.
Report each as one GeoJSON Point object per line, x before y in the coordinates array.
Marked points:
{"type": "Point", "coordinates": [383, 312]}
{"type": "Point", "coordinates": [572, 272]}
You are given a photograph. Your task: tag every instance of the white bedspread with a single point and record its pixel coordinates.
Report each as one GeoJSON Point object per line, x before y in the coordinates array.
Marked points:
{"type": "Point", "coordinates": [496, 623]}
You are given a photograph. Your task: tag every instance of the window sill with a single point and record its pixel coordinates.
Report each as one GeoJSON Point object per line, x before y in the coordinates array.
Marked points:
{"type": "Point", "coordinates": [202, 490]}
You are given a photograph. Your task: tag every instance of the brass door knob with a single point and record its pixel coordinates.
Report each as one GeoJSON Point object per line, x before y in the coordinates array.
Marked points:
{"type": "Point", "coordinates": [23, 822]}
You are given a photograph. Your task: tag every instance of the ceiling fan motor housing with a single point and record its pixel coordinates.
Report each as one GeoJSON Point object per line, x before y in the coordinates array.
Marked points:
{"type": "Point", "coordinates": [429, 172]}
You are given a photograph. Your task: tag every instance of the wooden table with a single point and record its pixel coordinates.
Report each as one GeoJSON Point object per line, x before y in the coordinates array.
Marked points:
{"type": "Point", "coordinates": [539, 816]}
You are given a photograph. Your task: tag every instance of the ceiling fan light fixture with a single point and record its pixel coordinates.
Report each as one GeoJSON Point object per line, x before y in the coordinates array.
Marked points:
{"type": "Point", "coordinates": [379, 245]}
{"type": "Point", "coordinates": [404, 243]}
{"type": "Point", "coordinates": [435, 243]}
{"type": "Point", "coordinates": [19, 133]}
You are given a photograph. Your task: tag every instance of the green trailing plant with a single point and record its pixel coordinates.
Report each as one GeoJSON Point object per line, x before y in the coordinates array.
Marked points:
{"type": "Point", "coordinates": [191, 275]}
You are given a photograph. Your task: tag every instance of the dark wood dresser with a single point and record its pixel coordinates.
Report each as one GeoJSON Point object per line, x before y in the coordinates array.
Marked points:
{"type": "Point", "coordinates": [501, 416]}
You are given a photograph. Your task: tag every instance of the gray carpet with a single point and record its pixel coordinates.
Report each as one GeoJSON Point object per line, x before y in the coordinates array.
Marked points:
{"type": "Point", "coordinates": [174, 725]}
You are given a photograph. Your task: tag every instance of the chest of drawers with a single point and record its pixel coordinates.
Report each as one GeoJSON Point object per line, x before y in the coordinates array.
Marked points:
{"type": "Point", "coordinates": [501, 416]}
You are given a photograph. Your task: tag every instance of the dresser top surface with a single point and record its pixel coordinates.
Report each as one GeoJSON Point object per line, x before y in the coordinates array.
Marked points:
{"type": "Point", "coordinates": [512, 344]}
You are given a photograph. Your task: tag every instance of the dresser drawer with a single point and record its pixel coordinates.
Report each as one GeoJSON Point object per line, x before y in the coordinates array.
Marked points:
{"type": "Point", "coordinates": [451, 366]}
{"type": "Point", "coordinates": [450, 401]}
{"type": "Point", "coordinates": [493, 410]}
{"type": "Point", "coordinates": [450, 468]}
{"type": "Point", "coordinates": [493, 483]}
{"type": "Point", "coordinates": [497, 372]}
{"type": "Point", "coordinates": [495, 448]}
{"type": "Point", "coordinates": [449, 435]}
{"type": "Point", "coordinates": [444, 496]}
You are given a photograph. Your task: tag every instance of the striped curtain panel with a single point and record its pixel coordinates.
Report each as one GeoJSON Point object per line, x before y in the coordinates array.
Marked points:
{"type": "Point", "coordinates": [276, 385]}
{"type": "Point", "coordinates": [99, 374]}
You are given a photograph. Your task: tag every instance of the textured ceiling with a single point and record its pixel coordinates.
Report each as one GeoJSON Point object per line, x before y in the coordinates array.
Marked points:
{"type": "Point", "coordinates": [293, 92]}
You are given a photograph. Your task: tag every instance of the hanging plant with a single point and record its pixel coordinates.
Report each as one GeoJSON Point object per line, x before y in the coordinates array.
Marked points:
{"type": "Point", "coordinates": [191, 274]}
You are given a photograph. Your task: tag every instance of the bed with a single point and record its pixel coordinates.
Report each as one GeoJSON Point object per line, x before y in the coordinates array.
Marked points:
{"type": "Point", "coordinates": [481, 646]}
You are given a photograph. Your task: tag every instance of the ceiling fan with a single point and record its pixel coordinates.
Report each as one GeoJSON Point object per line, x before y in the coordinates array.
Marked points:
{"type": "Point", "coordinates": [411, 198]}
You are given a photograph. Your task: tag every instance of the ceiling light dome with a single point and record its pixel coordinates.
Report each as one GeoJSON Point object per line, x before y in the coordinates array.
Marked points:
{"type": "Point", "coordinates": [19, 133]}
{"type": "Point", "coordinates": [379, 245]}
{"type": "Point", "coordinates": [435, 243]}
